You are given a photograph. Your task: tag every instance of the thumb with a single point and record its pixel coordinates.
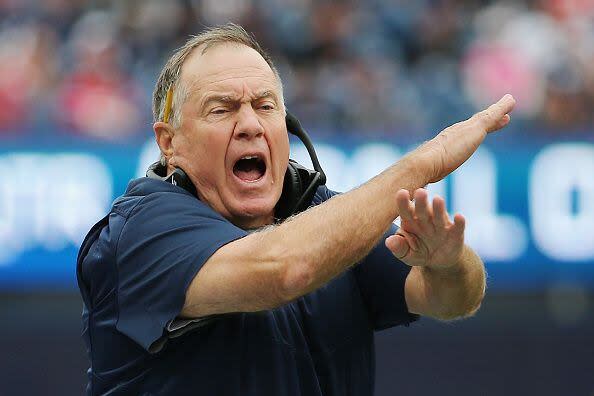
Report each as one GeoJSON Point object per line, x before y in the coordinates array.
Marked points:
{"type": "Point", "coordinates": [398, 246]}
{"type": "Point", "coordinates": [497, 116]}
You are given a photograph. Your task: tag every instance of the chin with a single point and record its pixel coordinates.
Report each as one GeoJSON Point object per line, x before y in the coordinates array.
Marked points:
{"type": "Point", "coordinates": [253, 214]}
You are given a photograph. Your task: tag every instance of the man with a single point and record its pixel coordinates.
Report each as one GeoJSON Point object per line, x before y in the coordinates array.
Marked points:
{"type": "Point", "coordinates": [215, 295]}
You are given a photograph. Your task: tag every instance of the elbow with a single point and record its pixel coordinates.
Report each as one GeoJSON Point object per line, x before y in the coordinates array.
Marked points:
{"type": "Point", "coordinates": [297, 279]}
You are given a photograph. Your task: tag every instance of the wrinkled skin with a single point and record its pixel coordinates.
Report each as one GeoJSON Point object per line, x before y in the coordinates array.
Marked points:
{"type": "Point", "coordinates": [234, 108]}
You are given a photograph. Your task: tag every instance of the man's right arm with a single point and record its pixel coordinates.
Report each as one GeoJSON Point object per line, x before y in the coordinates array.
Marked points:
{"type": "Point", "coordinates": [272, 267]}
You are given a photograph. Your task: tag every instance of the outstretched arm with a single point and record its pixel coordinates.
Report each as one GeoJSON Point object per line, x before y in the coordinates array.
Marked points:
{"type": "Point", "coordinates": [270, 268]}
{"type": "Point", "coordinates": [447, 280]}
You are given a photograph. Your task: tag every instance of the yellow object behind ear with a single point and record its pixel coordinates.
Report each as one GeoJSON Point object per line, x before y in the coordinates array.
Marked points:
{"type": "Point", "coordinates": [168, 101]}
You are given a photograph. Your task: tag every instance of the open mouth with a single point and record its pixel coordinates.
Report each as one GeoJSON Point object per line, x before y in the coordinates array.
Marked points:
{"type": "Point", "coordinates": [249, 168]}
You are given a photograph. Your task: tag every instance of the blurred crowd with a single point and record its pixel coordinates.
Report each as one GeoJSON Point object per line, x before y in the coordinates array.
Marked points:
{"type": "Point", "coordinates": [376, 67]}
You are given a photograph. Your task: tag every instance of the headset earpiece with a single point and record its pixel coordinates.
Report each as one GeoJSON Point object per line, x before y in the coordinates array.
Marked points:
{"type": "Point", "coordinates": [299, 188]}
{"type": "Point", "coordinates": [292, 190]}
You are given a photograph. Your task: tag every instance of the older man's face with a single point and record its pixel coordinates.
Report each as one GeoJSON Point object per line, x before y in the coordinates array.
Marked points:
{"type": "Point", "coordinates": [233, 140]}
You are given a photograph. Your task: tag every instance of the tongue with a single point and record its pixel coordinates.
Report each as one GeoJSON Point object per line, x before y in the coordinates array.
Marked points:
{"type": "Point", "coordinates": [248, 174]}
{"type": "Point", "coordinates": [248, 170]}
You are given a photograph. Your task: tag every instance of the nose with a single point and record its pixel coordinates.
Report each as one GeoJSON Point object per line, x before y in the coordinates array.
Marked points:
{"type": "Point", "coordinates": [248, 125]}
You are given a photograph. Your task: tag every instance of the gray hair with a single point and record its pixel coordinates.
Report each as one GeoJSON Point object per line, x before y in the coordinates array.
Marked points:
{"type": "Point", "coordinates": [170, 74]}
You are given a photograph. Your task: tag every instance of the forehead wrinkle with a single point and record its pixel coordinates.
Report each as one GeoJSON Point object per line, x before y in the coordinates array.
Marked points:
{"type": "Point", "coordinates": [233, 98]}
{"type": "Point", "coordinates": [206, 92]}
{"type": "Point", "coordinates": [196, 78]}
{"type": "Point", "coordinates": [197, 87]}
{"type": "Point", "coordinates": [223, 76]}
{"type": "Point", "coordinates": [266, 93]}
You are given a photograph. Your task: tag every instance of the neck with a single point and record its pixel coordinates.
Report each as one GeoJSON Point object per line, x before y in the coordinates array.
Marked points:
{"type": "Point", "coordinates": [253, 223]}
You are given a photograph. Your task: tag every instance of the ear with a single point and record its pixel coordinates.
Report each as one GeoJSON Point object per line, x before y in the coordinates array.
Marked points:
{"type": "Point", "coordinates": [164, 135]}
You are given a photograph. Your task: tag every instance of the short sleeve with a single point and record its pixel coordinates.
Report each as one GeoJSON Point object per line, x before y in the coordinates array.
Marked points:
{"type": "Point", "coordinates": [165, 241]}
{"type": "Point", "coordinates": [381, 278]}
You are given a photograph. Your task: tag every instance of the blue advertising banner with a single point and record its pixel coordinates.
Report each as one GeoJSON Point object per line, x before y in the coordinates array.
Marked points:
{"type": "Point", "coordinates": [529, 205]}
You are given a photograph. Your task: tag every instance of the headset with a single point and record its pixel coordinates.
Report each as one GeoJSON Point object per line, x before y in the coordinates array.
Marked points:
{"type": "Point", "coordinates": [299, 186]}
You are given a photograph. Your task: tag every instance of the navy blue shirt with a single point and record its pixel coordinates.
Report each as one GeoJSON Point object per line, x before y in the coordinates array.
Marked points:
{"type": "Point", "coordinates": [134, 268]}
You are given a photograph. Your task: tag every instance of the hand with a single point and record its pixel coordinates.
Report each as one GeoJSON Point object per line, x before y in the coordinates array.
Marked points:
{"type": "Point", "coordinates": [427, 237]}
{"type": "Point", "coordinates": [448, 150]}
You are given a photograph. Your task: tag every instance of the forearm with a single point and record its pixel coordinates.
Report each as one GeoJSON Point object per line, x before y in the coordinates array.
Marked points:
{"type": "Point", "coordinates": [452, 291]}
{"type": "Point", "coordinates": [322, 242]}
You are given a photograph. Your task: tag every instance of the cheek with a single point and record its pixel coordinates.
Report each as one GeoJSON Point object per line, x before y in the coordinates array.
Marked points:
{"type": "Point", "coordinates": [281, 150]}
{"type": "Point", "coordinates": [203, 155]}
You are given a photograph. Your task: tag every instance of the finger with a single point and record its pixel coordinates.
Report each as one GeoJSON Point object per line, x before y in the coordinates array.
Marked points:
{"type": "Point", "coordinates": [459, 225]}
{"type": "Point", "coordinates": [440, 214]}
{"type": "Point", "coordinates": [404, 205]}
{"type": "Point", "coordinates": [503, 122]}
{"type": "Point", "coordinates": [491, 117]}
{"type": "Point", "coordinates": [411, 239]}
{"type": "Point", "coordinates": [423, 211]}
{"type": "Point", "coordinates": [421, 203]}
{"type": "Point", "coordinates": [398, 246]}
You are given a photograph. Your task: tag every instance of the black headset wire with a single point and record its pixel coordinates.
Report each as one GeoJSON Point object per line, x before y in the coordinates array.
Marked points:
{"type": "Point", "coordinates": [294, 127]}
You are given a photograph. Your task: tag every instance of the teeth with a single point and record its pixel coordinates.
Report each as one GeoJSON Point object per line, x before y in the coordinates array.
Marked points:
{"type": "Point", "coordinates": [249, 157]}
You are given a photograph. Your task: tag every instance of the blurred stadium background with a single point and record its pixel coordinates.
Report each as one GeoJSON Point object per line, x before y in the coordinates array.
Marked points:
{"type": "Point", "coordinates": [369, 80]}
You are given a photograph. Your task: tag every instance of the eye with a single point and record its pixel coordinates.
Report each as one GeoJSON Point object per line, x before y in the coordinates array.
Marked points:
{"type": "Point", "coordinates": [219, 110]}
{"type": "Point", "coordinates": [266, 106]}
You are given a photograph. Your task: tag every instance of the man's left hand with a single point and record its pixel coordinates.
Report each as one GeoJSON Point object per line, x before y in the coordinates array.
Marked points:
{"type": "Point", "coordinates": [427, 237]}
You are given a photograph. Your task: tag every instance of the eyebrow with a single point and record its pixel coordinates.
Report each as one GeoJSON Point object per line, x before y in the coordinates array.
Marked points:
{"type": "Point", "coordinates": [230, 98]}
